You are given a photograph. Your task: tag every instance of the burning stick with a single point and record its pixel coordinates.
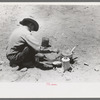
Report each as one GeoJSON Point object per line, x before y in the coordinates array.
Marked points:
{"type": "Point", "coordinates": [73, 48]}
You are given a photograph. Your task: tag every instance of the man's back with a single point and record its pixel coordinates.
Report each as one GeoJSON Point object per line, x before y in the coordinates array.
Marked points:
{"type": "Point", "coordinates": [16, 41]}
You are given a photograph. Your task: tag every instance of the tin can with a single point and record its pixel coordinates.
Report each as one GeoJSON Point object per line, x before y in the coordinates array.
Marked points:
{"type": "Point", "coordinates": [65, 64]}
{"type": "Point", "coordinates": [45, 42]}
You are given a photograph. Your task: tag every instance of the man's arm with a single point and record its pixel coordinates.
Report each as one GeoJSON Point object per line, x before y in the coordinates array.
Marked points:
{"type": "Point", "coordinates": [31, 41]}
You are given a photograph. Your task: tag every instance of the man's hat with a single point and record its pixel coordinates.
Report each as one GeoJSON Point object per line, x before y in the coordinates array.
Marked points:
{"type": "Point", "coordinates": [26, 21]}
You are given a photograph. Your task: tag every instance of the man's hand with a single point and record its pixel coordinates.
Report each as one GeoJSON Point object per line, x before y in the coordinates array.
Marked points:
{"type": "Point", "coordinates": [49, 50]}
{"type": "Point", "coordinates": [55, 51]}
{"type": "Point", "coordinates": [45, 50]}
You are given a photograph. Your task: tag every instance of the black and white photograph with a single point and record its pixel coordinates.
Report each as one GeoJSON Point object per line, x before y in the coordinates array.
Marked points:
{"type": "Point", "coordinates": [49, 43]}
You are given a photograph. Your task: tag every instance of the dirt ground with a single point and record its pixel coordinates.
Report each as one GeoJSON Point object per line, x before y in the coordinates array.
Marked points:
{"type": "Point", "coordinates": [66, 26]}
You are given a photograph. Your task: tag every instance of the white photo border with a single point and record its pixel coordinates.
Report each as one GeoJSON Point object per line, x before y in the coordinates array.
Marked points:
{"type": "Point", "coordinates": [42, 90]}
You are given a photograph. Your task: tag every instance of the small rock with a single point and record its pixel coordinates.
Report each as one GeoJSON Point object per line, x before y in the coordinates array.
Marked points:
{"type": "Point", "coordinates": [24, 69]}
{"type": "Point", "coordinates": [97, 69]}
{"type": "Point", "coordinates": [86, 64]}
{"type": "Point", "coordinates": [1, 62]}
